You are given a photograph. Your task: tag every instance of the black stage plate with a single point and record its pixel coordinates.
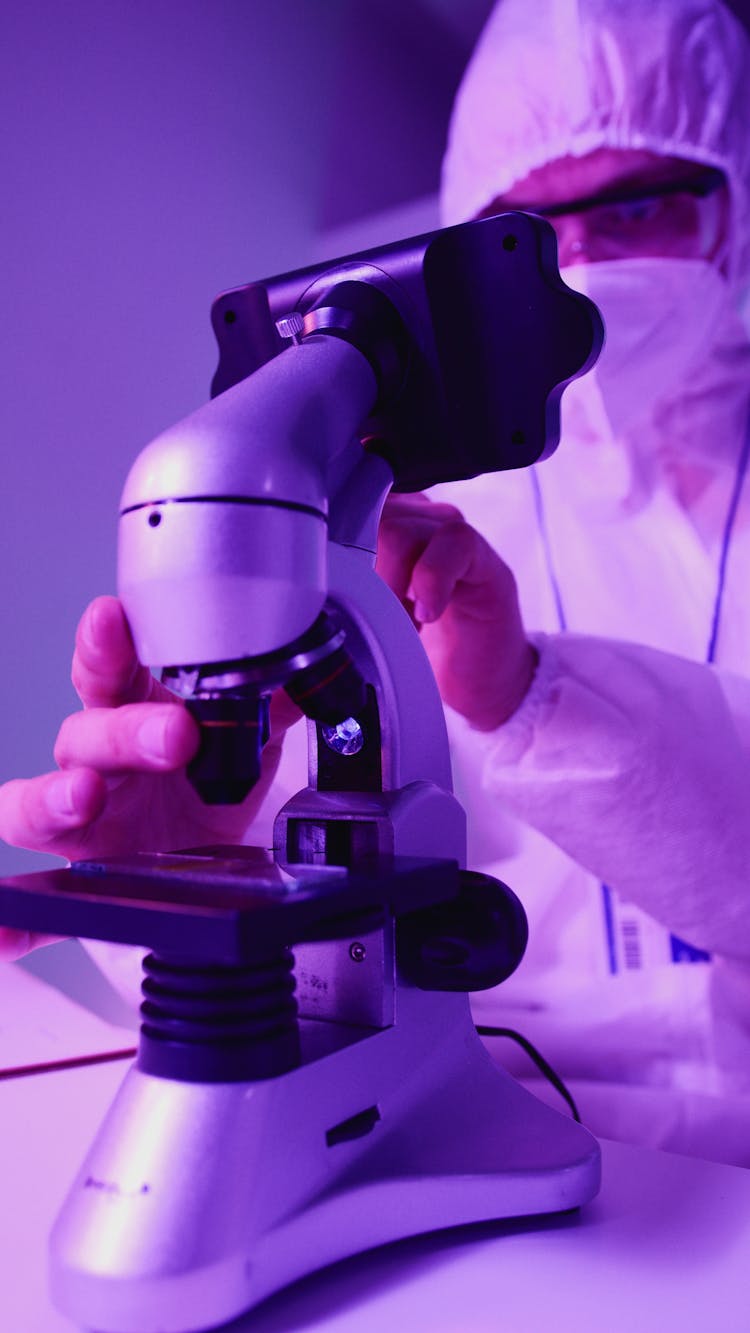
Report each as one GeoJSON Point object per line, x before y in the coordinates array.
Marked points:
{"type": "Point", "coordinates": [220, 904]}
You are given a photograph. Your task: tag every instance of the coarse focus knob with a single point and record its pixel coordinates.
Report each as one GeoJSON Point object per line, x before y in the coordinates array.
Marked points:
{"type": "Point", "coordinates": [290, 326]}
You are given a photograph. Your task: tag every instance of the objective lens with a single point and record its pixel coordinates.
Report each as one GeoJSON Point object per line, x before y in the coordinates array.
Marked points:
{"type": "Point", "coordinates": [332, 686]}
{"type": "Point", "coordinates": [234, 729]}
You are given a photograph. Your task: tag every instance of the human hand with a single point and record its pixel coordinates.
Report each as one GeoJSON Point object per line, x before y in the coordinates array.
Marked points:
{"type": "Point", "coordinates": [463, 599]}
{"type": "Point", "coordinates": [121, 784]}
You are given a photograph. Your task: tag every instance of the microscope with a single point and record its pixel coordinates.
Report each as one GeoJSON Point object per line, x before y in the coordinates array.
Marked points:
{"type": "Point", "coordinates": [309, 1082]}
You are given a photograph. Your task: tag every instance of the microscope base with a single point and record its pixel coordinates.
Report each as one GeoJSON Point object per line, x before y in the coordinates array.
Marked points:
{"type": "Point", "coordinates": [197, 1201]}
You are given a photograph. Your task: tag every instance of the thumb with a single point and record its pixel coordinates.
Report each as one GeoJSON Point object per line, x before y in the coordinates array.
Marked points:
{"type": "Point", "coordinates": [106, 671]}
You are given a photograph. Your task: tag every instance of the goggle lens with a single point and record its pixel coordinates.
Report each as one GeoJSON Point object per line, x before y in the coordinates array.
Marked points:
{"type": "Point", "coordinates": [685, 220]}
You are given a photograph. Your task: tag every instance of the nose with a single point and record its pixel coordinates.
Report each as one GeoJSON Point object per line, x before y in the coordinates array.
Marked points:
{"type": "Point", "coordinates": [573, 240]}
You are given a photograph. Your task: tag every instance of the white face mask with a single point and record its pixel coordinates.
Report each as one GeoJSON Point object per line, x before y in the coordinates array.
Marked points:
{"type": "Point", "coordinates": [661, 317]}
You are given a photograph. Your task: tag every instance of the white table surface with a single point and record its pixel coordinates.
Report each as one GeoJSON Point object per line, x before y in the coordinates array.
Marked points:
{"type": "Point", "coordinates": [665, 1246]}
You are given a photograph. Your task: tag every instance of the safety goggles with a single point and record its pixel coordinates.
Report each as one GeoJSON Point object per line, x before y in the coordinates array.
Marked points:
{"type": "Point", "coordinates": [681, 218]}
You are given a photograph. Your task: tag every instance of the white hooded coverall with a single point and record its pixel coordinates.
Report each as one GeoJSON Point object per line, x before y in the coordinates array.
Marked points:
{"type": "Point", "coordinates": [627, 764]}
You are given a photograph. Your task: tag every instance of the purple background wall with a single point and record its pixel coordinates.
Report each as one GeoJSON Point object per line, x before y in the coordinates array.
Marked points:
{"type": "Point", "coordinates": [154, 152]}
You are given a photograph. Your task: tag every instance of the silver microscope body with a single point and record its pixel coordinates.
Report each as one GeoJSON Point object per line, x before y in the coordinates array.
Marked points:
{"type": "Point", "coordinates": [259, 1137]}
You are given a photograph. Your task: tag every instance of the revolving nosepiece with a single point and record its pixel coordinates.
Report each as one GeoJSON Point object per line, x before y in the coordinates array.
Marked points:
{"type": "Point", "coordinates": [230, 701]}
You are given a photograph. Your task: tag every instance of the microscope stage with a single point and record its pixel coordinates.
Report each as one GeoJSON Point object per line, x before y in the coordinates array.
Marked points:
{"type": "Point", "coordinates": [226, 905]}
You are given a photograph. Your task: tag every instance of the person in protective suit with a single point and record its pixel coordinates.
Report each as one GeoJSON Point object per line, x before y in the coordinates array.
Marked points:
{"type": "Point", "coordinates": [608, 776]}
{"type": "Point", "coordinates": [586, 620]}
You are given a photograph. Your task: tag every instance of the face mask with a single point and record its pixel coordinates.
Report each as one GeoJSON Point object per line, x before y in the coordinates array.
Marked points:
{"type": "Point", "coordinates": [661, 317]}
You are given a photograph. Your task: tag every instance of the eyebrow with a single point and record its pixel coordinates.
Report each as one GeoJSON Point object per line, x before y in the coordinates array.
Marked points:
{"type": "Point", "coordinates": [632, 187]}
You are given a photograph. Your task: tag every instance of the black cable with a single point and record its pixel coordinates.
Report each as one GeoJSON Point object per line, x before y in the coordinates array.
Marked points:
{"type": "Point", "coordinates": [542, 1065]}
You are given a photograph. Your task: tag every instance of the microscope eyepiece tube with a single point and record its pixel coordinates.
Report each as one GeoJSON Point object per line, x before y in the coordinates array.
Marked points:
{"type": "Point", "coordinates": [362, 315]}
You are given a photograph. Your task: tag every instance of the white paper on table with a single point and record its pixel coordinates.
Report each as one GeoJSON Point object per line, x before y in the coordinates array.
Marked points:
{"type": "Point", "coordinates": [41, 1027]}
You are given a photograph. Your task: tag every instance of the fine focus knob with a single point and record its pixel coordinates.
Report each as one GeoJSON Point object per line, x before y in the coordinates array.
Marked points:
{"type": "Point", "coordinates": [290, 326]}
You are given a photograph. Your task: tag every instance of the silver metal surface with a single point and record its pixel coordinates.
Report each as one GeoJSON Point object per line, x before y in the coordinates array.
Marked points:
{"type": "Point", "coordinates": [290, 326]}
{"type": "Point", "coordinates": [337, 986]}
{"type": "Point", "coordinates": [220, 581]}
{"type": "Point", "coordinates": [389, 652]}
{"type": "Point", "coordinates": [237, 565]}
{"type": "Point", "coordinates": [197, 1201]}
{"type": "Point", "coordinates": [271, 436]}
{"type": "Point", "coordinates": [206, 681]}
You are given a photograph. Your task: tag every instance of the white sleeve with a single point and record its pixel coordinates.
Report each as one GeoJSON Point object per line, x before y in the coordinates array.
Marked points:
{"type": "Point", "coordinates": [637, 763]}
